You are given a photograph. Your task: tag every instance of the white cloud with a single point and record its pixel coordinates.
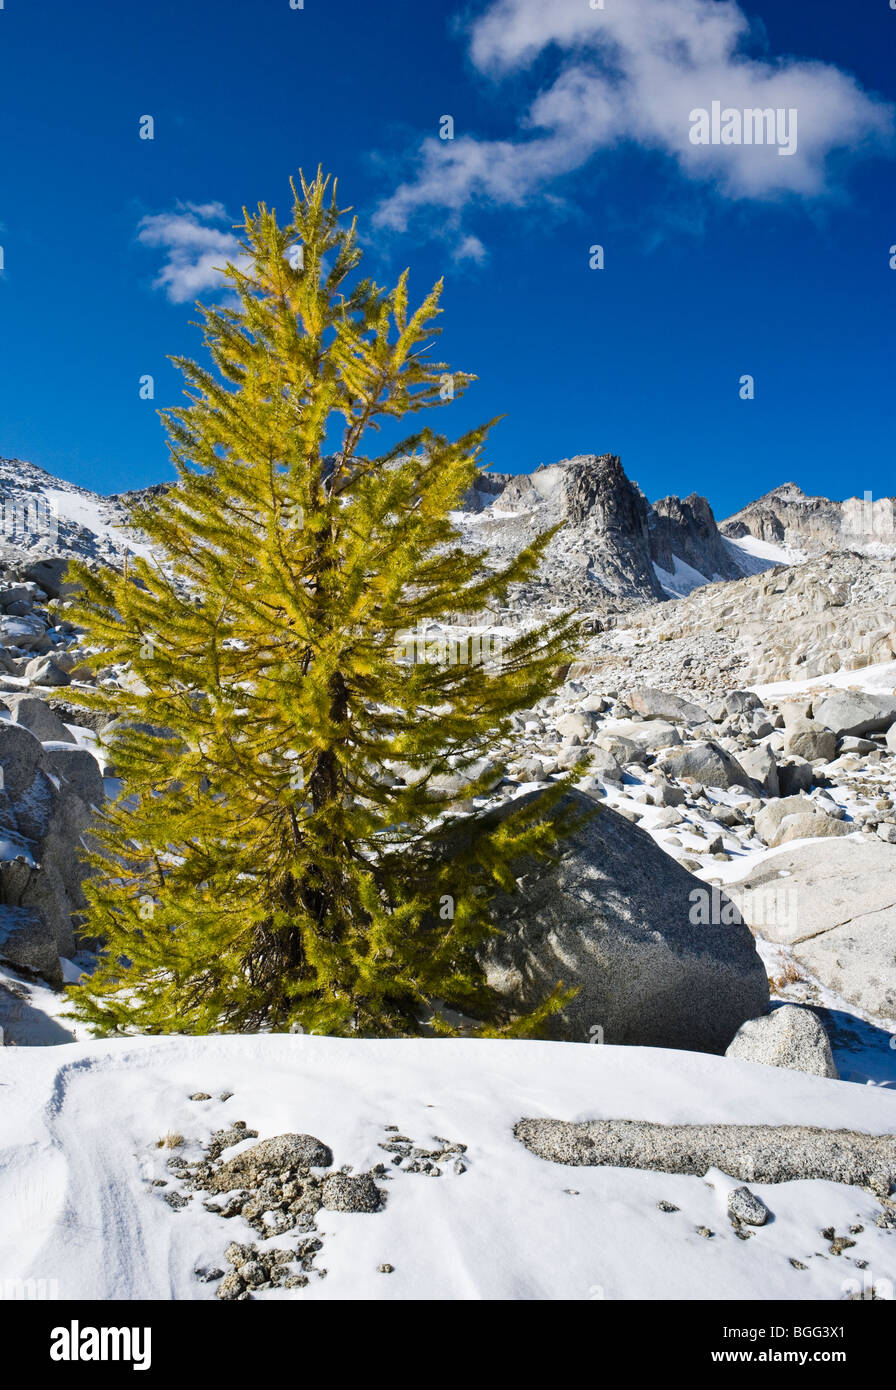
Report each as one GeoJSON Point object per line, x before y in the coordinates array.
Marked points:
{"type": "Point", "coordinates": [634, 72]}
{"type": "Point", "coordinates": [196, 250]}
{"type": "Point", "coordinates": [471, 249]}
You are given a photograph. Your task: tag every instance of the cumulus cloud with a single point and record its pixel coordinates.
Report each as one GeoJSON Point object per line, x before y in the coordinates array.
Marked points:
{"type": "Point", "coordinates": [634, 72]}
{"type": "Point", "coordinates": [196, 245]}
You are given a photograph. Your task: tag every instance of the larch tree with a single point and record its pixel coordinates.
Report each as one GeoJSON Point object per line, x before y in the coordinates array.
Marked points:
{"type": "Point", "coordinates": [276, 858]}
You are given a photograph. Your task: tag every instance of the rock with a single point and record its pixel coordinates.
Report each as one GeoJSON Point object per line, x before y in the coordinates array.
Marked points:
{"type": "Point", "coordinates": [745, 1207]}
{"type": "Point", "coordinates": [613, 918]}
{"type": "Point", "coordinates": [17, 594]}
{"type": "Point", "coordinates": [810, 826]}
{"type": "Point", "coordinates": [789, 1036]}
{"type": "Point", "coordinates": [887, 831]}
{"type": "Point", "coordinates": [665, 794]}
{"type": "Point", "coordinates": [850, 744]}
{"type": "Point", "coordinates": [780, 819]}
{"type": "Point", "coordinates": [80, 770]}
{"type": "Point", "coordinates": [624, 750]}
{"type": "Point", "coordinates": [752, 1153]}
{"type": "Point", "coordinates": [252, 1273]}
{"type": "Point", "coordinates": [343, 1192]}
{"type": "Point", "coordinates": [458, 783]}
{"type": "Point", "coordinates": [837, 905]}
{"type": "Point", "coordinates": [578, 726]}
{"type": "Point", "coordinates": [27, 940]}
{"type": "Point", "coordinates": [741, 702]}
{"type": "Point", "coordinates": [48, 575]}
{"type": "Point", "coordinates": [808, 739]}
{"type": "Point", "coordinates": [271, 1155]}
{"type": "Point", "coordinates": [795, 776]}
{"type": "Point", "coordinates": [656, 704]}
{"type": "Point", "coordinates": [231, 1287]}
{"type": "Point", "coordinates": [84, 718]}
{"type": "Point", "coordinates": [891, 738]}
{"type": "Point", "coordinates": [761, 766]}
{"type": "Point", "coordinates": [20, 753]}
{"type": "Point", "coordinates": [858, 959]}
{"type": "Point", "coordinates": [34, 714]}
{"type": "Point", "coordinates": [45, 670]}
{"type": "Point", "coordinates": [708, 764]}
{"type": "Point", "coordinates": [604, 766]}
{"type": "Point", "coordinates": [850, 712]}
{"type": "Point", "coordinates": [650, 734]}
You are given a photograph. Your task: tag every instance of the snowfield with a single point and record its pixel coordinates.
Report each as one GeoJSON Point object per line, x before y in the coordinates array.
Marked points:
{"type": "Point", "coordinates": [81, 1123]}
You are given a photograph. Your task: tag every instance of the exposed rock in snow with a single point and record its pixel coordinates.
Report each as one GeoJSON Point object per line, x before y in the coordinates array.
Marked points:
{"type": "Point", "coordinates": [83, 1183]}
{"type": "Point", "coordinates": [787, 1037]}
{"type": "Point", "coordinates": [756, 1153]}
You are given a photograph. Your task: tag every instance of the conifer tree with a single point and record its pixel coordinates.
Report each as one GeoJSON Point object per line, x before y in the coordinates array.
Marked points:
{"type": "Point", "coordinates": [274, 858]}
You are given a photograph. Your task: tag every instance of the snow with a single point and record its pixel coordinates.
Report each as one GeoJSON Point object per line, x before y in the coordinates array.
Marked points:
{"type": "Point", "coordinates": [879, 679]}
{"type": "Point", "coordinates": [680, 581]}
{"type": "Point", "coordinates": [96, 515]}
{"type": "Point", "coordinates": [753, 555]}
{"type": "Point", "coordinates": [82, 1121]}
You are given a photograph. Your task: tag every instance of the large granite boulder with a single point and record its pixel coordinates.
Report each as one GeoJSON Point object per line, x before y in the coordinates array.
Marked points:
{"type": "Point", "coordinates": [809, 739]}
{"type": "Point", "coordinates": [36, 715]}
{"type": "Point", "coordinates": [618, 919]}
{"type": "Point", "coordinates": [797, 818]}
{"type": "Point", "coordinates": [835, 902]}
{"type": "Point", "coordinates": [657, 704]}
{"type": "Point", "coordinates": [27, 941]}
{"type": "Point", "coordinates": [852, 712]}
{"type": "Point", "coordinates": [707, 764]}
{"type": "Point", "coordinates": [49, 795]}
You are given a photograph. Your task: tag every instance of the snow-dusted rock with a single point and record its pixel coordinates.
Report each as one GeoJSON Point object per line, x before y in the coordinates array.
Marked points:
{"type": "Point", "coordinates": [820, 888]}
{"type": "Point", "coordinates": [35, 715]}
{"type": "Point", "coordinates": [858, 959]}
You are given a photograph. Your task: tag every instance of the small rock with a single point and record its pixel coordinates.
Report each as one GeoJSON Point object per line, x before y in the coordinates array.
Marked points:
{"type": "Point", "coordinates": [231, 1287]}
{"type": "Point", "coordinates": [344, 1193]}
{"type": "Point", "coordinates": [744, 1205]}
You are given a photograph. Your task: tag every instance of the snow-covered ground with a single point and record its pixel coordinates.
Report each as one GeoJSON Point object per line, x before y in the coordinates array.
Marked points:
{"type": "Point", "coordinates": [79, 1159]}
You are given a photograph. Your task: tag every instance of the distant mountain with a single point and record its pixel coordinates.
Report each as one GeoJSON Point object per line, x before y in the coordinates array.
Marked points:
{"type": "Point", "coordinates": [613, 544]}
{"type": "Point", "coordinates": [814, 525]}
{"type": "Point", "coordinates": [42, 515]}
{"type": "Point", "coordinates": [614, 549]}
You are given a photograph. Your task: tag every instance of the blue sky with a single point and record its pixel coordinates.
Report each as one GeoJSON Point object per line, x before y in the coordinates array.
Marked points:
{"type": "Point", "coordinates": [571, 129]}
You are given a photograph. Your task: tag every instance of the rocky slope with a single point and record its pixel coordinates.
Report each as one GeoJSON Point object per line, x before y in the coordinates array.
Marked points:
{"type": "Point", "coordinates": [828, 614]}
